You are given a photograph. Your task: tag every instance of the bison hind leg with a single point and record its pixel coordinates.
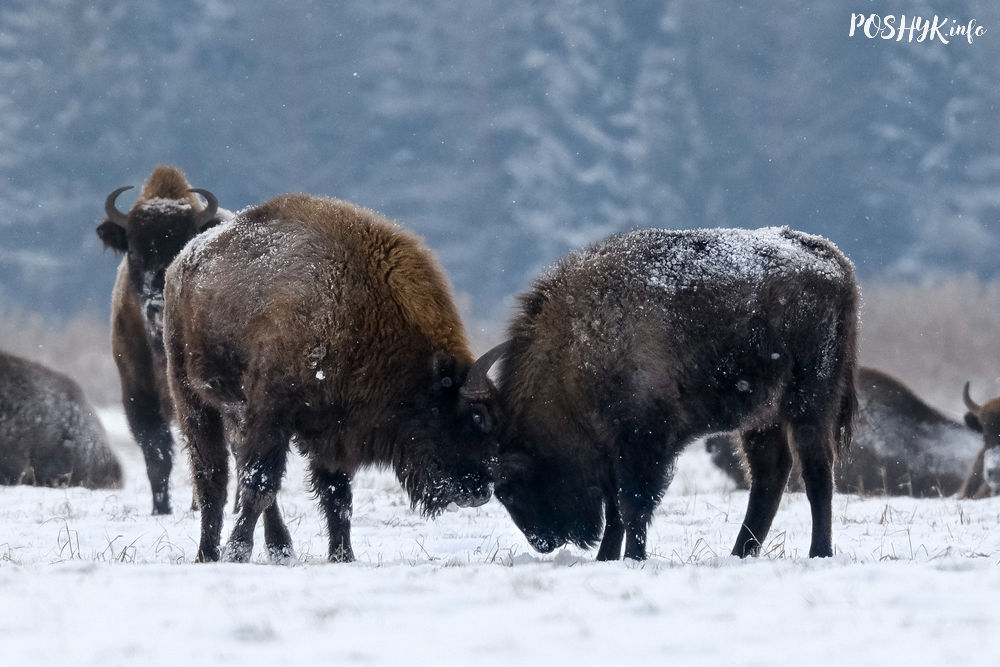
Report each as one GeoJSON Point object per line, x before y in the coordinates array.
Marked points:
{"type": "Point", "coordinates": [260, 477]}
{"type": "Point", "coordinates": [769, 461]}
{"type": "Point", "coordinates": [815, 448]}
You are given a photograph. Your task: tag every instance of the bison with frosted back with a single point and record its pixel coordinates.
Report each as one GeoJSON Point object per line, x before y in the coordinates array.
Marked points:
{"type": "Point", "coordinates": [49, 433]}
{"type": "Point", "coordinates": [166, 216]}
{"type": "Point", "coordinates": [624, 352]}
{"type": "Point", "coordinates": [313, 320]}
{"type": "Point", "coordinates": [901, 445]}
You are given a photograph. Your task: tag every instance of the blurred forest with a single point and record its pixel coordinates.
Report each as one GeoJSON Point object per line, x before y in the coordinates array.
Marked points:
{"type": "Point", "coordinates": [508, 133]}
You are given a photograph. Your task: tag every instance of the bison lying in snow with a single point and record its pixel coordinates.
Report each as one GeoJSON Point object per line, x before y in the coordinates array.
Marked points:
{"type": "Point", "coordinates": [627, 350]}
{"type": "Point", "coordinates": [314, 319]}
{"type": "Point", "coordinates": [901, 446]}
{"type": "Point", "coordinates": [49, 434]}
{"type": "Point", "coordinates": [167, 215]}
{"type": "Point", "coordinates": [984, 478]}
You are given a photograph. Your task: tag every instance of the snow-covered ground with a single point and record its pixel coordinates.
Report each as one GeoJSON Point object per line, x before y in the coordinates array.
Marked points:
{"type": "Point", "coordinates": [90, 578]}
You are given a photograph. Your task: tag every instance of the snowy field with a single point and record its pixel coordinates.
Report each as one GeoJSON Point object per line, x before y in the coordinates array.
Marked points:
{"type": "Point", "coordinates": [90, 578]}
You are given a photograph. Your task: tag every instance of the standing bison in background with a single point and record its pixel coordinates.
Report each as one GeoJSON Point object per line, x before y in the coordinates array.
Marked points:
{"type": "Point", "coordinates": [984, 478]}
{"type": "Point", "coordinates": [166, 216]}
{"type": "Point", "coordinates": [311, 319]}
{"type": "Point", "coordinates": [49, 434]}
{"type": "Point", "coordinates": [624, 352]}
{"type": "Point", "coordinates": [901, 446]}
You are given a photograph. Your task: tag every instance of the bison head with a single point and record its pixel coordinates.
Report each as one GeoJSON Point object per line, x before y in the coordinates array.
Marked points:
{"type": "Point", "coordinates": [451, 437]}
{"type": "Point", "coordinates": [986, 420]}
{"type": "Point", "coordinates": [150, 236]}
{"type": "Point", "coordinates": [544, 498]}
{"type": "Point", "coordinates": [547, 494]}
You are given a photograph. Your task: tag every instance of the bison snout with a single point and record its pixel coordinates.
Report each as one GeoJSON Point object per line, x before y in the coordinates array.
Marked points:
{"type": "Point", "coordinates": [475, 493]}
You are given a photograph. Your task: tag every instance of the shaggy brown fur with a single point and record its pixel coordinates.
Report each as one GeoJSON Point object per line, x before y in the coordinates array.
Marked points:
{"type": "Point", "coordinates": [626, 351]}
{"type": "Point", "coordinates": [49, 434]}
{"type": "Point", "coordinates": [984, 477]}
{"type": "Point", "coordinates": [165, 217]}
{"type": "Point", "coordinates": [902, 446]}
{"type": "Point", "coordinates": [315, 319]}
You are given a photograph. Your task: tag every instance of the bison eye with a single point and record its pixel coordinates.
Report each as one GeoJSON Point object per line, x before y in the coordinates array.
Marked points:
{"type": "Point", "coordinates": [481, 418]}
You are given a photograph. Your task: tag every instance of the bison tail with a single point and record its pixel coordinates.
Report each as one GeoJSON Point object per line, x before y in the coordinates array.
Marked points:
{"type": "Point", "coordinates": [844, 427]}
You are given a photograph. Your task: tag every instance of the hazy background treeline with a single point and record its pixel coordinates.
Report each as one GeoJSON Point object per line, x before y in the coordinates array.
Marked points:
{"type": "Point", "coordinates": [507, 133]}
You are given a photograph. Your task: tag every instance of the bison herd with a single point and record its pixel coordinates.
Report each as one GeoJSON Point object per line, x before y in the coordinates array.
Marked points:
{"type": "Point", "coordinates": [312, 322]}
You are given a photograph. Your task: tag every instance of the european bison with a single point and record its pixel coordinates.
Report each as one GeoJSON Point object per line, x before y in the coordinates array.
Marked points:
{"type": "Point", "coordinates": [627, 350]}
{"type": "Point", "coordinates": [49, 434]}
{"type": "Point", "coordinates": [901, 445]}
{"type": "Point", "coordinates": [984, 478]}
{"type": "Point", "coordinates": [314, 320]}
{"type": "Point", "coordinates": [166, 216]}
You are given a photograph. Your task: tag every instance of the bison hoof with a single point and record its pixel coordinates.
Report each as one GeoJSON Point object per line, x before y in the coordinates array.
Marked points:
{"type": "Point", "coordinates": [237, 552]}
{"type": "Point", "coordinates": [342, 556]}
{"type": "Point", "coordinates": [207, 556]}
{"type": "Point", "coordinates": [282, 555]}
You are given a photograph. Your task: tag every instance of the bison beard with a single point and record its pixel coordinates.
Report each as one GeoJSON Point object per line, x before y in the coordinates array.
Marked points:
{"type": "Point", "coordinates": [624, 352]}
{"type": "Point", "coordinates": [313, 321]}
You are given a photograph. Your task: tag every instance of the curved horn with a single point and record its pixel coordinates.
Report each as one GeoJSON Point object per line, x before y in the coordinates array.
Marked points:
{"type": "Point", "coordinates": [206, 216]}
{"type": "Point", "coordinates": [969, 403]}
{"type": "Point", "coordinates": [114, 215]}
{"type": "Point", "coordinates": [476, 385]}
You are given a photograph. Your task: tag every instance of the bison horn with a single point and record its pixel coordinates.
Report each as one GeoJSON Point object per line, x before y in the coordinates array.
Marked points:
{"type": "Point", "coordinates": [208, 214]}
{"type": "Point", "coordinates": [969, 403]}
{"type": "Point", "coordinates": [114, 215]}
{"type": "Point", "coordinates": [476, 385]}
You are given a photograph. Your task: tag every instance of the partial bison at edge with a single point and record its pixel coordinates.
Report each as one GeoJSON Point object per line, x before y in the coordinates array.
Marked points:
{"type": "Point", "coordinates": [167, 215]}
{"type": "Point", "coordinates": [314, 321]}
{"type": "Point", "coordinates": [627, 350]}
{"type": "Point", "coordinates": [984, 478]}
{"type": "Point", "coordinates": [49, 433]}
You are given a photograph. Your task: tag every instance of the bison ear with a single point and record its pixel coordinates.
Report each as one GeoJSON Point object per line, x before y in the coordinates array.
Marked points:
{"type": "Point", "coordinates": [113, 235]}
{"type": "Point", "coordinates": [972, 421]}
{"type": "Point", "coordinates": [444, 369]}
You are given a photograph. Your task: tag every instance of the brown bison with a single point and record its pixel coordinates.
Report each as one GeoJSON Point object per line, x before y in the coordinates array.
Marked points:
{"type": "Point", "coordinates": [166, 216]}
{"type": "Point", "coordinates": [901, 445]}
{"type": "Point", "coordinates": [49, 434]}
{"type": "Point", "coordinates": [984, 478]}
{"type": "Point", "coordinates": [315, 321]}
{"type": "Point", "coordinates": [625, 351]}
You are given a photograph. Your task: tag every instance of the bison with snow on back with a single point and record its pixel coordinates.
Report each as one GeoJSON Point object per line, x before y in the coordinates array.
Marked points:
{"type": "Point", "coordinates": [984, 478]}
{"type": "Point", "coordinates": [627, 350]}
{"type": "Point", "coordinates": [315, 321]}
{"type": "Point", "coordinates": [166, 216]}
{"type": "Point", "coordinates": [901, 445]}
{"type": "Point", "coordinates": [49, 434]}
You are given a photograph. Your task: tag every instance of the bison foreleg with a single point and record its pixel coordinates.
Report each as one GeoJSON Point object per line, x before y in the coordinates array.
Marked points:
{"type": "Point", "coordinates": [614, 530]}
{"type": "Point", "coordinates": [333, 489]}
{"type": "Point", "coordinates": [150, 430]}
{"type": "Point", "coordinates": [642, 477]}
{"type": "Point", "coordinates": [770, 461]}
{"type": "Point", "coordinates": [277, 537]}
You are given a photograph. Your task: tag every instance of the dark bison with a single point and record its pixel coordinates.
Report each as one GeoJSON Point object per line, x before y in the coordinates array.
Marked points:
{"type": "Point", "coordinates": [984, 478]}
{"type": "Point", "coordinates": [624, 352]}
{"type": "Point", "coordinates": [49, 434]}
{"type": "Point", "coordinates": [166, 216]}
{"type": "Point", "coordinates": [313, 320]}
{"type": "Point", "coordinates": [901, 445]}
